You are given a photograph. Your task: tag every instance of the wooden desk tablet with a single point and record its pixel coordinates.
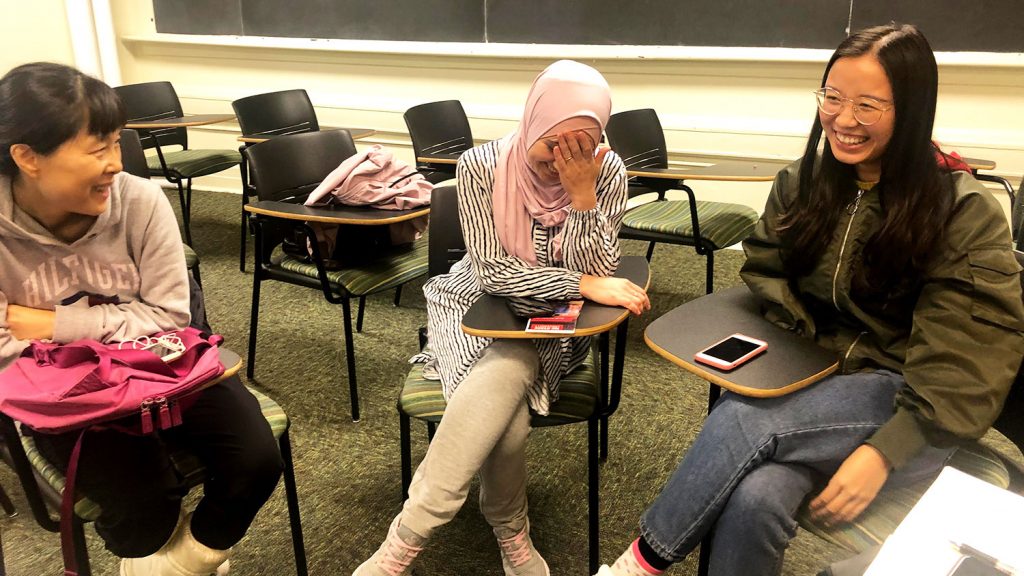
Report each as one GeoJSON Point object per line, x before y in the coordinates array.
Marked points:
{"type": "Point", "coordinates": [356, 134]}
{"type": "Point", "coordinates": [979, 164]}
{"type": "Point", "coordinates": [337, 214]}
{"type": "Point", "coordinates": [180, 122]}
{"type": "Point", "coordinates": [490, 316]}
{"type": "Point", "coordinates": [451, 159]}
{"type": "Point", "coordinates": [729, 171]}
{"type": "Point", "coordinates": [232, 363]}
{"type": "Point", "coordinates": [790, 363]}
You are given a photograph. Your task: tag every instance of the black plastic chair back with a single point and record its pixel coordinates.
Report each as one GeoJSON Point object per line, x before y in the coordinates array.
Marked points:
{"type": "Point", "coordinates": [288, 168]}
{"type": "Point", "coordinates": [154, 101]}
{"type": "Point", "coordinates": [637, 137]}
{"type": "Point", "coordinates": [446, 245]}
{"type": "Point", "coordinates": [439, 128]}
{"type": "Point", "coordinates": [276, 113]}
{"type": "Point", "coordinates": [133, 158]}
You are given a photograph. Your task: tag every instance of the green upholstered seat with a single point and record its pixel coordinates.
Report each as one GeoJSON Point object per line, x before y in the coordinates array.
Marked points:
{"type": "Point", "coordinates": [386, 271]}
{"type": "Point", "coordinates": [194, 163]}
{"type": "Point", "coordinates": [89, 510]}
{"type": "Point", "coordinates": [579, 393]}
{"type": "Point", "coordinates": [191, 258]}
{"type": "Point", "coordinates": [721, 223]}
{"type": "Point", "coordinates": [891, 505]}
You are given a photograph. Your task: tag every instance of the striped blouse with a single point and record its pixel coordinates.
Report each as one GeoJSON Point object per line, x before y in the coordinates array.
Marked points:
{"type": "Point", "coordinates": [590, 245]}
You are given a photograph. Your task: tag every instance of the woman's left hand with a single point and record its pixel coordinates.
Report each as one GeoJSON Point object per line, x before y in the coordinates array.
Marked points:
{"type": "Point", "coordinates": [852, 488]}
{"type": "Point", "coordinates": [30, 323]}
{"type": "Point", "coordinates": [578, 168]}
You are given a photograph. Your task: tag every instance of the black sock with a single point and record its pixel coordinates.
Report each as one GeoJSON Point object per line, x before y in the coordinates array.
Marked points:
{"type": "Point", "coordinates": [651, 557]}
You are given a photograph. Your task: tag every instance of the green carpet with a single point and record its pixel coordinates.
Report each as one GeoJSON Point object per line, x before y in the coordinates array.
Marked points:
{"type": "Point", "coordinates": [348, 473]}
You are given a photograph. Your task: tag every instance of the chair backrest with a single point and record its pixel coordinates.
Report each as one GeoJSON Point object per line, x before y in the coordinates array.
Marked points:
{"type": "Point", "coordinates": [439, 128]}
{"type": "Point", "coordinates": [290, 167]}
{"type": "Point", "coordinates": [276, 113]}
{"type": "Point", "coordinates": [1011, 420]}
{"type": "Point", "coordinates": [133, 158]}
{"type": "Point", "coordinates": [154, 101]}
{"type": "Point", "coordinates": [637, 137]}
{"type": "Point", "coordinates": [446, 245]}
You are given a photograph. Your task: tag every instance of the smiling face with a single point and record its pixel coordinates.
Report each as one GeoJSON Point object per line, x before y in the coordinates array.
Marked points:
{"type": "Point", "coordinates": [77, 176]}
{"type": "Point", "coordinates": [851, 142]}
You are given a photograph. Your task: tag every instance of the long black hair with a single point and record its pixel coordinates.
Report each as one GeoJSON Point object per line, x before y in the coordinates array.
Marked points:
{"type": "Point", "coordinates": [43, 105]}
{"type": "Point", "coordinates": [916, 197]}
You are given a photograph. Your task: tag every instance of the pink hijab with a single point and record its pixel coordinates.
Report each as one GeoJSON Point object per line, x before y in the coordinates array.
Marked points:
{"type": "Point", "coordinates": [565, 96]}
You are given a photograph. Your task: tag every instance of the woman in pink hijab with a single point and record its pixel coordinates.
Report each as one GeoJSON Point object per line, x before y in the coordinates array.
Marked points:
{"type": "Point", "coordinates": [540, 211]}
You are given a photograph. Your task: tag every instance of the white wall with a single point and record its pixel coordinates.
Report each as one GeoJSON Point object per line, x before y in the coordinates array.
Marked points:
{"type": "Point", "coordinates": [31, 31]}
{"type": "Point", "coordinates": [756, 107]}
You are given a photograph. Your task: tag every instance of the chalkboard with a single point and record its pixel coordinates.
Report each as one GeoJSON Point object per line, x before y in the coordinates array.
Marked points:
{"type": "Point", "coordinates": [982, 26]}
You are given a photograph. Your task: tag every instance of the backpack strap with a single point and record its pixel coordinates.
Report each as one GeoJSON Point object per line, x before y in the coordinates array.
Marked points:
{"type": "Point", "coordinates": [67, 510]}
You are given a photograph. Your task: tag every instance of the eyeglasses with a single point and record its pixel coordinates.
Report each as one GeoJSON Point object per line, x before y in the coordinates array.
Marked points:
{"type": "Point", "coordinates": [866, 110]}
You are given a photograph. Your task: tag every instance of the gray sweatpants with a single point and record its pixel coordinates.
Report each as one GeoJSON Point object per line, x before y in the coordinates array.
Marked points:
{"type": "Point", "coordinates": [483, 431]}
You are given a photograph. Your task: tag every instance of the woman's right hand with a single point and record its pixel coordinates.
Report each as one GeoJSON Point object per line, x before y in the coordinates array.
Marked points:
{"type": "Point", "coordinates": [615, 292]}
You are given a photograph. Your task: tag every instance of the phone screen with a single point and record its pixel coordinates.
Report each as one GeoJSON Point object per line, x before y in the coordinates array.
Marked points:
{"type": "Point", "coordinates": [731, 350]}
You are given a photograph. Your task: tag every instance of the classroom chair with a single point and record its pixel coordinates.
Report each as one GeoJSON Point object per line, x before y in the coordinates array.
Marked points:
{"type": "Point", "coordinates": [584, 395]}
{"type": "Point", "coordinates": [892, 505]}
{"type": "Point", "coordinates": [287, 169]}
{"type": "Point", "coordinates": [269, 114]}
{"type": "Point", "coordinates": [133, 161]}
{"type": "Point", "coordinates": [438, 128]}
{"type": "Point", "coordinates": [637, 137]}
{"type": "Point", "coordinates": [158, 100]}
{"type": "Point", "coordinates": [43, 483]}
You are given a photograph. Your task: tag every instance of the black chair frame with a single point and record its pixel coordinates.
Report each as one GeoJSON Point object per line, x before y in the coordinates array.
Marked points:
{"type": "Point", "coordinates": [438, 128]}
{"type": "Point", "coordinates": [630, 134]}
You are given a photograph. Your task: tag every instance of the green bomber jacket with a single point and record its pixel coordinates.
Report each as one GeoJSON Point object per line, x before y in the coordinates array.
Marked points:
{"type": "Point", "coordinates": [957, 336]}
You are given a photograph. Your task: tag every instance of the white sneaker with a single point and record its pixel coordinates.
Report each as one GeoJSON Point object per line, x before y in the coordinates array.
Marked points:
{"type": "Point", "coordinates": [518, 556]}
{"type": "Point", "coordinates": [396, 553]}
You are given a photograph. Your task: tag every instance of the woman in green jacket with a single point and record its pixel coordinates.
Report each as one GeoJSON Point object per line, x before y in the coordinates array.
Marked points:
{"type": "Point", "coordinates": [903, 269]}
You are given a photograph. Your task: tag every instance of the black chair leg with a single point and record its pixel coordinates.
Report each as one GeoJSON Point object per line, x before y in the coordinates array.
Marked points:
{"type": "Point", "coordinates": [350, 357]}
{"type": "Point", "coordinates": [186, 216]}
{"type": "Point", "coordinates": [704, 556]}
{"type": "Point", "coordinates": [292, 495]}
{"type": "Point", "coordinates": [593, 488]}
{"type": "Point", "coordinates": [243, 166]}
{"type": "Point", "coordinates": [359, 315]}
{"type": "Point", "coordinates": [406, 447]}
{"type": "Point", "coordinates": [81, 551]}
{"type": "Point", "coordinates": [8, 506]}
{"type": "Point", "coordinates": [603, 346]}
{"type": "Point", "coordinates": [398, 295]}
{"type": "Point", "coordinates": [431, 430]}
{"type": "Point", "coordinates": [254, 320]}
{"type": "Point", "coordinates": [650, 251]}
{"type": "Point", "coordinates": [709, 273]}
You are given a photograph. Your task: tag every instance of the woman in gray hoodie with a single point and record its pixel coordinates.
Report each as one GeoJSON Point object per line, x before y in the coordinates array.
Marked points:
{"type": "Point", "coordinates": [90, 252]}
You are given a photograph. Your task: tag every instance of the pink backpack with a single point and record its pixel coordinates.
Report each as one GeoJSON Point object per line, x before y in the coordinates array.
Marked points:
{"type": "Point", "coordinates": [78, 386]}
{"type": "Point", "coordinates": [62, 387]}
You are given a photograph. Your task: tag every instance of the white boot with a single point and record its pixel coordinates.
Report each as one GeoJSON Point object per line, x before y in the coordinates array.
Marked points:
{"type": "Point", "coordinates": [183, 555]}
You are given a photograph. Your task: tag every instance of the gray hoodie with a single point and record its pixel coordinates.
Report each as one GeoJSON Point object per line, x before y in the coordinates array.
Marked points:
{"type": "Point", "coordinates": [123, 279]}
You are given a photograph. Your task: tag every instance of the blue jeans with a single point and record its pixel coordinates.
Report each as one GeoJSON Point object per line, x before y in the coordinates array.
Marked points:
{"type": "Point", "coordinates": [757, 459]}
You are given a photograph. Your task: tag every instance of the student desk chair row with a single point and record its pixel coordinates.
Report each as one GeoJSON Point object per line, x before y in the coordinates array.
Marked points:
{"type": "Point", "coordinates": [262, 117]}
{"type": "Point", "coordinates": [285, 170]}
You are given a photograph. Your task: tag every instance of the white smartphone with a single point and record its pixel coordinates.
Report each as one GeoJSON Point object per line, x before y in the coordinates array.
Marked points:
{"type": "Point", "coordinates": [166, 353]}
{"type": "Point", "coordinates": [731, 352]}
